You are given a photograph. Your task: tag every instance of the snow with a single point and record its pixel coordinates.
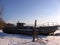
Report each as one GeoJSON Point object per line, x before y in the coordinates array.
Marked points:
{"type": "Point", "coordinates": [57, 31]}
{"type": "Point", "coordinates": [17, 39]}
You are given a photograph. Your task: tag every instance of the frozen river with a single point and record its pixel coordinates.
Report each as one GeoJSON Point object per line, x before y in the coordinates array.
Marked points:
{"type": "Point", "coordinates": [14, 39]}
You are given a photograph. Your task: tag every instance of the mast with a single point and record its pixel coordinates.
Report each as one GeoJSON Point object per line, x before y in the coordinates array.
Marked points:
{"type": "Point", "coordinates": [34, 31]}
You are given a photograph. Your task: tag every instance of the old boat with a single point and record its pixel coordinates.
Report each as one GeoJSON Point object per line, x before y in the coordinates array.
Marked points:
{"type": "Point", "coordinates": [21, 29]}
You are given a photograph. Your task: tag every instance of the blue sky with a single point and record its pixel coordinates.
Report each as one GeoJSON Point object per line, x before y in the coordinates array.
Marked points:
{"type": "Point", "coordinates": [29, 10]}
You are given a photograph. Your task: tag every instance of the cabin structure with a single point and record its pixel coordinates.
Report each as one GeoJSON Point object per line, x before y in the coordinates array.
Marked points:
{"type": "Point", "coordinates": [20, 25]}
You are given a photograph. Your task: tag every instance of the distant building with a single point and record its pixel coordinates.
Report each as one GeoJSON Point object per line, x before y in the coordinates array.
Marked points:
{"type": "Point", "coordinates": [10, 25]}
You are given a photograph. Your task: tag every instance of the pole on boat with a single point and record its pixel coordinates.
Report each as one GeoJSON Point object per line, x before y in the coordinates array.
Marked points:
{"type": "Point", "coordinates": [34, 31]}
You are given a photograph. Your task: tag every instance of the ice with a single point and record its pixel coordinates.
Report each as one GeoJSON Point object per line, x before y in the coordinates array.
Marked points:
{"type": "Point", "coordinates": [17, 39]}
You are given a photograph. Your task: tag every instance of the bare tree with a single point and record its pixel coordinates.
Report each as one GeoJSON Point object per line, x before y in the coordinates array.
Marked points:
{"type": "Point", "coordinates": [1, 12]}
{"type": "Point", "coordinates": [2, 23]}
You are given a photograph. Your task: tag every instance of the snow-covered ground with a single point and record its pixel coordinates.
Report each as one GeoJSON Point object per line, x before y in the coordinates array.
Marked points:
{"type": "Point", "coordinates": [14, 39]}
